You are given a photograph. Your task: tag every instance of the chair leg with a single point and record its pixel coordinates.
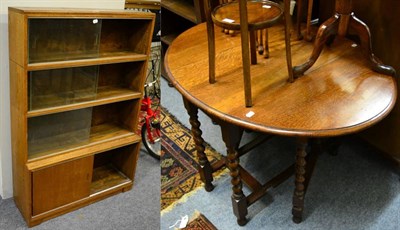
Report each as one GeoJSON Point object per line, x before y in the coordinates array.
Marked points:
{"type": "Point", "coordinates": [260, 40]}
{"type": "Point", "coordinates": [266, 46]}
{"type": "Point", "coordinates": [211, 42]}
{"type": "Point", "coordinates": [244, 32]}
{"type": "Point", "coordinates": [298, 20]}
{"type": "Point", "coordinates": [253, 50]}
{"type": "Point", "coordinates": [308, 26]}
{"type": "Point", "coordinates": [287, 40]}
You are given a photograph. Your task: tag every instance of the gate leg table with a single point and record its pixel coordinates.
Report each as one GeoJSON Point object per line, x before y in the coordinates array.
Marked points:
{"type": "Point", "coordinates": [338, 95]}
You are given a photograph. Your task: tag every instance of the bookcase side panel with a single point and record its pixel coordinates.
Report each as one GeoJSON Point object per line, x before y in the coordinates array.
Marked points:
{"type": "Point", "coordinates": [18, 33]}
{"type": "Point", "coordinates": [19, 145]}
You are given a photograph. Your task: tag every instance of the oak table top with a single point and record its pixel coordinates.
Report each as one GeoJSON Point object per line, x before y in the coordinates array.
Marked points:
{"type": "Point", "coordinates": [337, 96]}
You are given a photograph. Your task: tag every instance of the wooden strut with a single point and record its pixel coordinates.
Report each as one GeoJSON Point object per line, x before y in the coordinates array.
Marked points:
{"type": "Point", "coordinates": [339, 24]}
{"type": "Point", "coordinates": [243, 150]}
{"type": "Point", "coordinates": [260, 190]}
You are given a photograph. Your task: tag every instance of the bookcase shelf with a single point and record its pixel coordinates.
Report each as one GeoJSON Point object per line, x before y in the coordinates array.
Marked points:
{"type": "Point", "coordinates": [76, 82]}
{"type": "Point", "coordinates": [105, 95]}
{"type": "Point", "coordinates": [104, 58]}
{"type": "Point", "coordinates": [102, 137]}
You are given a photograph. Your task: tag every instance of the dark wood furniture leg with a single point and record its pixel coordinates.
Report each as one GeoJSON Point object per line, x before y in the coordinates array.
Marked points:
{"type": "Point", "coordinates": [260, 41]}
{"type": "Point", "coordinates": [211, 41]}
{"type": "Point", "coordinates": [339, 24]}
{"type": "Point", "coordinates": [244, 33]}
{"type": "Point", "coordinates": [205, 169]}
{"type": "Point", "coordinates": [232, 135]}
{"type": "Point", "coordinates": [298, 19]}
{"type": "Point", "coordinates": [362, 31]}
{"type": "Point", "coordinates": [253, 48]}
{"type": "Point", "coordinates": [287, 40]}
{"type": "Point", "coordinates": [305, 164]}
{"type": "Point", "coordinates": [308, 36]}
{"type": "Point", "coordinates": [300, 170]}
{"type": "Point", "coordinates": [325, 31]}
{"type": "Point", "coordinates": [266, 47]}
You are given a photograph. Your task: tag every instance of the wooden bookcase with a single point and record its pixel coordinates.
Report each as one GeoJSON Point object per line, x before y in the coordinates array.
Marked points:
{"type": "Point", "coordinates": [76, 83]}
{"type": "Point", "coordinates": [177, 16]}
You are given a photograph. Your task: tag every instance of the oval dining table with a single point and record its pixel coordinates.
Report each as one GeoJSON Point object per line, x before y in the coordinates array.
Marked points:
{"type": "Point", "coordinates": [339, 95]}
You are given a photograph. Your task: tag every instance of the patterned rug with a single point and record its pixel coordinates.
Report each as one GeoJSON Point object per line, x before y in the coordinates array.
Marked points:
{"type": "Point", "coordinates": [178, 160]}
{"type": "Point", "coordinates": [199, 222]}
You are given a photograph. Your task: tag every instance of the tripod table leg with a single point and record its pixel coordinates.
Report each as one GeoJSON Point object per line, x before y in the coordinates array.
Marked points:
{"type": "Point", "coordinates": [326, 30]}
{"type": "Point", "coordinates": [363, 33]}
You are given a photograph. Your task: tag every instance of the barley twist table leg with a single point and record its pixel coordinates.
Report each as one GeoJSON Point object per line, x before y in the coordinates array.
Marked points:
{"type": "Point", "coordinates": [205, 169]}
{"type": "Point", "coordinates": [232, 135]}
{"type": "Point", "coordinates": [299, 192]}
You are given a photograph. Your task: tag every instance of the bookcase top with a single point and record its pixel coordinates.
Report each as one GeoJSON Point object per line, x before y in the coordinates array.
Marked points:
{"type": "Point", "coordinates": [80, 13]}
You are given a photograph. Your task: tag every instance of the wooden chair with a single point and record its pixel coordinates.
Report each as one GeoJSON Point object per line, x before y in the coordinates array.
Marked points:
{"type": "Point", "coordinates": [246, 17]}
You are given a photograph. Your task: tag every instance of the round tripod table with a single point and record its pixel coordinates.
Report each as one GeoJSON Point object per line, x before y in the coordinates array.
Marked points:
{"type": "Point", "coordinates": [339, 95]}
{"type": "Point", "coordinates": [261, 14]}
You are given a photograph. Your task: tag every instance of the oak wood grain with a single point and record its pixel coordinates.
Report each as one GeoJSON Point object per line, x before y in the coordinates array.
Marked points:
{"type": "Point", "coordinates": [62, 184]}
{"type": "Point", "coordinates": [339, 94]}
{"type": "Point", "coordinates": [19, 146]}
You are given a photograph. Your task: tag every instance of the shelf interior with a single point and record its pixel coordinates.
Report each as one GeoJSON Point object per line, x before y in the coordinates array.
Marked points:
{"type": "Point", "coordinates": [64, 89]}
{"type": "Point", "coordinates": [84, 128]}
{"type": "Point", "coordinates": [105, 177]}
{"type": "Point", "coordinates": [63, 143]}
{"type": "Point", "coordinates": [57, 39]}
{"type": "Point", "coordinates": [184, 8]}
{"type": "Point", "coordinates": [113, 168]}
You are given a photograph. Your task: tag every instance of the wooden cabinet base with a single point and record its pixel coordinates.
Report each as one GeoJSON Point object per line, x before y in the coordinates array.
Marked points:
{"type": "Point", "coordinates": [38, 219]}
